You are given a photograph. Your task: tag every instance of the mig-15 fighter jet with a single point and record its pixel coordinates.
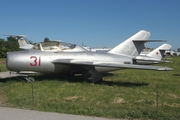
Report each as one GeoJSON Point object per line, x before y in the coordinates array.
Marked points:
{"type": "Point", "coordinates": [80, 62]}
{"type": "Point", "coordinates": [154, 56]}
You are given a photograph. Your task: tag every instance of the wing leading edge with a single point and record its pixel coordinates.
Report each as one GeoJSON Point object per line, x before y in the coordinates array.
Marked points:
{"type": "Point", "coordinates": [109, 64]}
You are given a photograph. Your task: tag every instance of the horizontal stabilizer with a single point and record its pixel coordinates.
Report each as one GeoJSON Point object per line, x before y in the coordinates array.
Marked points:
{"type": "Point", "coordinates": [17, 36]}
{"type": "Point", "coordinates": [149, 40]}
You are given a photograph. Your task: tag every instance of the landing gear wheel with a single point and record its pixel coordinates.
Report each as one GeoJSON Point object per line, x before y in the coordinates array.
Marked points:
{"type": "Point", "coordinates": [99, 81]}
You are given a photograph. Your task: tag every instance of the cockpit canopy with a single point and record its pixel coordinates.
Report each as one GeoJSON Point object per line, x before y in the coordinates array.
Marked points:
{"type": "Point", "coordinates": [57, 46]}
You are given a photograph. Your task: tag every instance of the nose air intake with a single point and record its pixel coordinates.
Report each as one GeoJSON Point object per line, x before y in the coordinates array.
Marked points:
{"type": "Point", "coordinates": [7, 61]}
{"type": "Point", "coordinates": [10, 62]}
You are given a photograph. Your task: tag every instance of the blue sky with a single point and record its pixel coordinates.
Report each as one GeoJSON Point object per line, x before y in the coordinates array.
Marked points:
{"type": "Point", "coordinates": [95, 23]}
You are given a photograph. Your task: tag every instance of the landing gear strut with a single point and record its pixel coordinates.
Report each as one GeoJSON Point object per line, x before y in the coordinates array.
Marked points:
{"type": "Point", "coordinates": [29, 79]}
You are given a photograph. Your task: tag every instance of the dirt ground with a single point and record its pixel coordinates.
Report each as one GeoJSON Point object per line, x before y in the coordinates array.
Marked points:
{"type": "Point", "coordinates": [1, 100]}
{"type": "Point", "coordinates": [2, 61]}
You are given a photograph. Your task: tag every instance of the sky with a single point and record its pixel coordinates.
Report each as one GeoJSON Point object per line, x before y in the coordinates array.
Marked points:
{"type": "Point", "coordinates": [94, 23]}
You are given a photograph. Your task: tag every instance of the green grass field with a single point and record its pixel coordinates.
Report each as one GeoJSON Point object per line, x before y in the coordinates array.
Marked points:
{"type": "Point", "coordinates": [129, 94]}
{"type": "Point", "coordinates": [3, 65]}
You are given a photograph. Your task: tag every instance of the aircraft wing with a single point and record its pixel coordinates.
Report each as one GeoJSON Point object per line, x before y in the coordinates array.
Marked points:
{"type": "Point", "coordinates": [108, 64]}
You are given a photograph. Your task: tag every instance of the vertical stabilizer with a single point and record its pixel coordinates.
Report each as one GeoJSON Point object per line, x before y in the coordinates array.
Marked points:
{"type": "Point", "coordinates": [24, 43]}
{"type": "Point", "coordinates": [159, 52]}
{"type": "Point", "coordinates": [130, 47]}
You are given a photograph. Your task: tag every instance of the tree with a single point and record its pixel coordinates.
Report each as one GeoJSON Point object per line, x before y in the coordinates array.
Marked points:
{"type": "Point", "coordinates": [2, 48]}
{"type": "Point", "coordinates": [46, 39]}
{"type": "Point", "coordinates": [11, 44]}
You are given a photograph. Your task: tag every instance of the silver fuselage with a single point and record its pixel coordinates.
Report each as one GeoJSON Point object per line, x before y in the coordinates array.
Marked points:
{"type": "Point", "coordinates": [41, 61]}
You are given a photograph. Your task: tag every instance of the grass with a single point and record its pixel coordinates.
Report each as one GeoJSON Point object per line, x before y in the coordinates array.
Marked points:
{"type": "Point", "coordinates": [3, 65]}
{"type": "Point", "coordinates": [127, 94]}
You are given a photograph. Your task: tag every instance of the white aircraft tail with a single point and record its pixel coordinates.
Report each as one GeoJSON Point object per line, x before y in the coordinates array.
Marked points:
{"type": "Point", "coordinates": [22, 41]}
{"type": "Point", "coordinates": [159, 52]}
{"type": "Point", "coordinates": [133, 45]}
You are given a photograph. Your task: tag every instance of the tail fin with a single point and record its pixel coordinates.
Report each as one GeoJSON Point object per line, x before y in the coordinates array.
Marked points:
{"type": "Point", "coordinates": [130, 47]}
{"type": "Point", "coordinates": [24, 44]}
{"type": "Point", "coordinates": [159, 52]}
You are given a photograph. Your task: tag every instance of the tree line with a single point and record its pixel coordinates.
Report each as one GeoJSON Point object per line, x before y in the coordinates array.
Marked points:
{"type": "Point", "coordinates": [11, 44]}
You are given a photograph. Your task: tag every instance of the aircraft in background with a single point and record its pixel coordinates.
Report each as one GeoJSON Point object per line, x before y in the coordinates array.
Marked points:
{"type": "Point", "coordinates": [154, 56]}
{"type": "Point", "coordinates": [81, 62]}
{"type": "Point", "coordinates": [55, 45]}
{"type": "Point", "coordinates": [22, 41]}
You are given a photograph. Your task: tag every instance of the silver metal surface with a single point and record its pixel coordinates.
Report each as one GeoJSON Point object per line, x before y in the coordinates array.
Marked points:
{"type": "Point", "coordinates": [62, 62]}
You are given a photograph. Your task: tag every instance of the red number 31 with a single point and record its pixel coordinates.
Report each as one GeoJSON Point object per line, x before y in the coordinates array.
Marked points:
{"type": "Point", "coordinates": [36, 61]}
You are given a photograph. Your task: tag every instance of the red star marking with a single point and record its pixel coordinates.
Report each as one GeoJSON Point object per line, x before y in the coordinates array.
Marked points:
{"type": "Point", "coordinates": [157, 53]}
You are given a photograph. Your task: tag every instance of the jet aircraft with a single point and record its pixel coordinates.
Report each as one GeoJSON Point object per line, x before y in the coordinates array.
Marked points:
{"type": "Point", "coordinates": [80, 62]}
{"type": "Point", "coordinates": [154, 56]}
